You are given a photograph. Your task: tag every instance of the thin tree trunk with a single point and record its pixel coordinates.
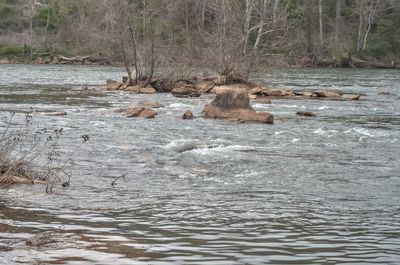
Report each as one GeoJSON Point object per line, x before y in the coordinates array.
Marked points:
{"type": "Point", "coordinates": [308, 25]}
{"type": "Point", "coordinates": [321, 39]}
{"type": "Point", "coordinates": [260, 29]}
{"type": "Point", "coordinates": [275, 15]}
{"type": "Point", "coordinates": [31, 25]}
{"type": "Point", "coordinates": [249, 8]}
{"type": "Point", "coordinates": [187, 24]}
{"type": "Point", "coordinates": [46, 27]}
{"type": "Point", "coordinates": [360, 25]}
{"type": "Point", "coordinates": [133, 39]}
{"type": "Point", "coordinates": [370, 18]}
{"type": "Point", "coordinates": [338, 21]}
{"type": "Point", "coordinates": [203, 12]}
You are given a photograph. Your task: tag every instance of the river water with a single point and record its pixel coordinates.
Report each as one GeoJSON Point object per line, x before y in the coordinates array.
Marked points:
{"type": "Point", "coordinates": [323, 190]}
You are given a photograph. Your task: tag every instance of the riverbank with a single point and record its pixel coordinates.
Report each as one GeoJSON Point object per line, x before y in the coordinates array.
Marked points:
{"type": "Point", "coordinates": [269, 60]}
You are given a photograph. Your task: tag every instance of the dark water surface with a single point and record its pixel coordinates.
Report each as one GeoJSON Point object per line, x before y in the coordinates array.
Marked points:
{"type": "Point", "coordinates": [322, 190]}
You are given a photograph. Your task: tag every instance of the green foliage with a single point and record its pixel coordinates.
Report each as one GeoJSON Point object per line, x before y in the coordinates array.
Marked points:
{"type": "Point", "coordinates": [10, 50]}
{"type": "Point", "coordinates": [48, 16]}
{"type": "Point", "coordinates": [384, 43]}
{"type": "Point", "coordinates": [8, 16]}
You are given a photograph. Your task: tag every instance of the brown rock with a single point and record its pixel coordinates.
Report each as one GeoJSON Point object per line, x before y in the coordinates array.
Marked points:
{"type": "Point", "coordinates": [305, 113]}
{"type": "Point", "coordinates": [147, 90]}
{"type": "Point", "coordinates": [255, 90]}
{"type": "Point", "coordinates": [204, 86]}
{"type": "Point", "coordinates": [235, 105]}
{"type": "Point", "coordinates": [353, 97]}
{"type": "Point", "coordinates": [228, 88]}
{"type": "Point", "coordinates": [133, 112]}
{"type": "Point", "coordinates": [140, 112]}
{"type": "Point", "coordinates": [307, 94]}
{"type": "Point", "coordinates": [133, 89]}
{"type": "Point", "coordinates": [325, 94]}
{"type": "Point", "coordinates": [147, 114]}
{"type": "Point", "coordinates": [263, 100]}
{"type": "Point", "coordinates": [277, 92]}
{"type": "Point", "coordinates": [113, 85]}
{"type": "Point", "coordinates": [151, 104]}
{"type": "Point", "coordinates": [188, 115]}
{"type": "Point", "coordinates": [185, 92]}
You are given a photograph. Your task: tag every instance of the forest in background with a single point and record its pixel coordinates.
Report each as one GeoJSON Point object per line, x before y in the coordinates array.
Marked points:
{"type": "Point", "coordinates": [202, 32]}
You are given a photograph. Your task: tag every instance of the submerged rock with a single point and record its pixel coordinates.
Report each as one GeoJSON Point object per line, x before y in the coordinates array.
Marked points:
{"type": "Point", "coordinates": [42, 239]}
{"type": "Point", "coordinates": [353, 97]}
{"type": "Point", "coordinates": [234, 104]}
{"type": "Point", "coordinates": [305, 113]}
{"type": "Point", "coordinates": [188, 115]}
{"type": "Point", "coordinates": [58, 113]}
{"type": "Point", "coordinates": [151, 104]}
{"type": "Point", "coordinates": [325, 94]}
{"type": "Point", "coordinates": [5, 248]}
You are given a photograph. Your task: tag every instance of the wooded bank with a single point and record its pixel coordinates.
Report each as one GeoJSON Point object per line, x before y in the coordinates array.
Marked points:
{"type": "Point", "coordinates": [203, 32]}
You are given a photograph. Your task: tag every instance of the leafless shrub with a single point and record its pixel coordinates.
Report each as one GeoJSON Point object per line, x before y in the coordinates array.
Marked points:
{"type": "Point", "coordinates": [28, 155]}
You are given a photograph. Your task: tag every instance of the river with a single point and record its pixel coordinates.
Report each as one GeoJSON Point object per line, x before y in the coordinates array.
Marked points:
{"type": "Point", "coordinates": [323, 190]}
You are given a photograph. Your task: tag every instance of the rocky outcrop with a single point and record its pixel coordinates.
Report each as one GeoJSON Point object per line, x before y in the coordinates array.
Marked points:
{"type": "Point", "coordinates": [234, 104]}
{"type": "Point", "coordinates": [185, 89]}
{"type": "Point", "coordinates": [140, 112]}
{"type": "Point", "coordinates": [188, 115]}
{"type": "Point", "coordinates": [325, 94]}
{"type": "Point", "coordinates": [229, 88]}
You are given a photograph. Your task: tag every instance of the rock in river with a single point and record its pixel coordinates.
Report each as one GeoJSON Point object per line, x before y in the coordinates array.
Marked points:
{"type": "Point", "coordinates": [234, 104]}
{"type": "Point", "coordinates": [305, 113]}
{"type": "Point", "coordinates": [188, 115]}
{"type": "Point", "coordinates": [140, 112]}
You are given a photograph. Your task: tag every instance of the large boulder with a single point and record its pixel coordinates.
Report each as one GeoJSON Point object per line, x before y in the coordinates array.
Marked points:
{"type": "Point", "coordinates": [235, 105]}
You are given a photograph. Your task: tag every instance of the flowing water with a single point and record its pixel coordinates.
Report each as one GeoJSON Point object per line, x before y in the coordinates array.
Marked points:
{"type": "Point", "coordinates": [323, 190]}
